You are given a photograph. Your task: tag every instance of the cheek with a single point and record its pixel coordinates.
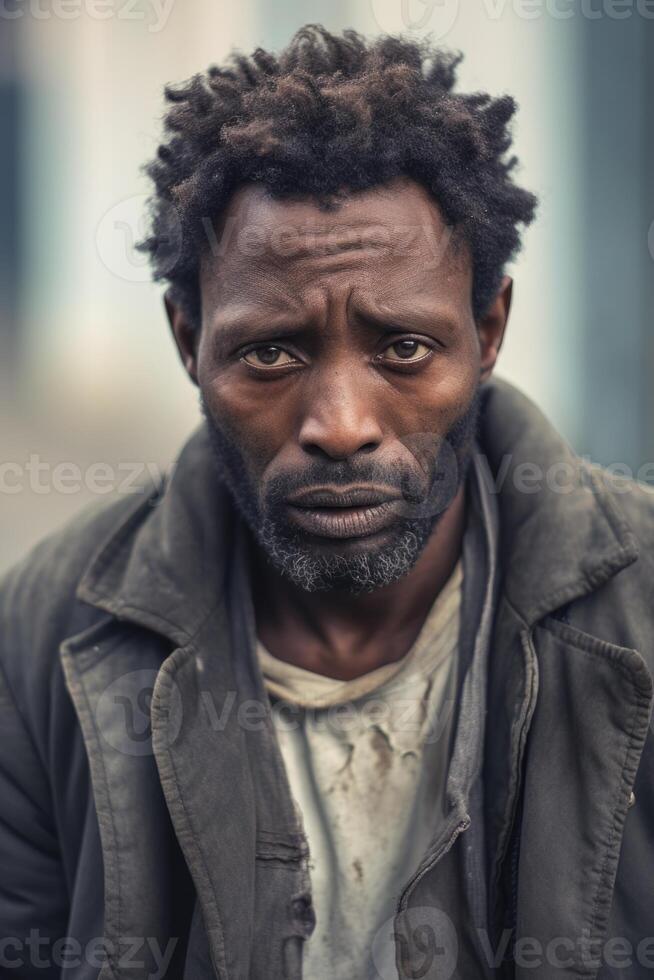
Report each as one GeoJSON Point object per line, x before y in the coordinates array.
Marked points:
{"type": "Point", "coordinates": [455, 391]}
{"type": "Point", "coordinates": [441, 401]}
{"type": "Point", "coordinates": [254, 423]}
{"type": "Point", "coordinates": [444, 395]}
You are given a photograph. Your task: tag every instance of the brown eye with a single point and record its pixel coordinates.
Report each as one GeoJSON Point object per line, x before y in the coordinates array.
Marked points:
{"type": "Point", "coordinates": [263, 357]}
{"type": "Point", "coordinates": [406, 350]}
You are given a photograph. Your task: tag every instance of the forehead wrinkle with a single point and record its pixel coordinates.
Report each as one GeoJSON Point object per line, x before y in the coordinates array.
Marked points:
{"type": "Point", "coordinates": [295, 282]}
{"type": "Point", "coordinates": [331, 252]}
{"type": "Point", "coordinates": [328, 255]}
{"type": "Point", "coordinates": [311, 285]}
{"type": "Point", "coordinates": [253, 284]}
{"type": "Point", "coordinates": [289, 283]}
{"type": "Point", "coordinates": [430, 278]}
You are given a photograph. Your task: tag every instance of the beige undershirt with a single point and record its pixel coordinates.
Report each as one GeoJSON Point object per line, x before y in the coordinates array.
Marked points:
{"type": "Point", "coordinates": [367, 765]}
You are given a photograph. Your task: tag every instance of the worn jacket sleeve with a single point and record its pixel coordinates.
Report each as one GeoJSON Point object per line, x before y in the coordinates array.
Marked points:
{"type": "Point", "coordinates": [42, 789]}
{"type": "Point", "coordinates": [33, 903]}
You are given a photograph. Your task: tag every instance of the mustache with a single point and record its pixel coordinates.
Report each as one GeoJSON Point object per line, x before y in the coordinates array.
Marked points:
{"type": "Point", "coordinates": [413, 484]}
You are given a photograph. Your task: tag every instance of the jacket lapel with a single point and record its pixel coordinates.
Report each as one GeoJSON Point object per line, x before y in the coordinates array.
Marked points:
{"type": "Point", "coordinates": [163, 571]}
{"type": "Point", "coordinates": [110, 687]}
{"type": "Point", "coordinates": [201, 755]}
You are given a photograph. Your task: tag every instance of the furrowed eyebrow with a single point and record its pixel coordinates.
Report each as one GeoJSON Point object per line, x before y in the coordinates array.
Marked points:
{"type": "Point", "coordinates": [231, 332]}
{"type": "Point", "coordinates": [390, 321]}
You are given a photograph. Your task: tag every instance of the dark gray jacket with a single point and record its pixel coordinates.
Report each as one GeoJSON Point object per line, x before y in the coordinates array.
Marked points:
{"type": "Point", "coordinates": [117, 809]}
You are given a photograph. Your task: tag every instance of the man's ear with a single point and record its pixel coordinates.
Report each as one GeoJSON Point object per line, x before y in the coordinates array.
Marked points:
{"type": "Point", "coordinates": [185, 335]}
{"type": "Point", "coordinates": [491, 327]}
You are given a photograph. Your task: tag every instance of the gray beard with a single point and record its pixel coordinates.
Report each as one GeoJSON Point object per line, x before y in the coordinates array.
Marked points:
{"type": "Point", "coordinates": [294, 558]}
{"type": "Point", "coordinates": [352, 573]}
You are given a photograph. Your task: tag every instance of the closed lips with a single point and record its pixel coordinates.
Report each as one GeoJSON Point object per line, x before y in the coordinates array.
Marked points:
{"type": "Point", "coordinates": [351, 497]}
{"type": "Point", "coordinates": [354, 513]}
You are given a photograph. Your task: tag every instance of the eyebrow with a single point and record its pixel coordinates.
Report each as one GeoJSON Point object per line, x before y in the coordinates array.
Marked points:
{"type": "Point", "coordinates": [409, 318]}
{"type": "Point", "coordinates": [231, 330]}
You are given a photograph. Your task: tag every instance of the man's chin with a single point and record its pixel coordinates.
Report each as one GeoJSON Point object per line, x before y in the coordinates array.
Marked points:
{"type": "Point", "coordinates": [361, 544]}
{"type": "Point", "coordinates": [354, 565]}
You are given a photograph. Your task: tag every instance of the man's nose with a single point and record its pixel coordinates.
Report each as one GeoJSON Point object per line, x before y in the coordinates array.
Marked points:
{"type": "Point", "coordinates": [339, 420]}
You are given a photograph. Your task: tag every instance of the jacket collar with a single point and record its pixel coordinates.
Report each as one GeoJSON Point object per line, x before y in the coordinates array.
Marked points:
{"type": "Point", "coordinates": [561, 532]}
{"type": "Point", "coordinates": [163, 567]}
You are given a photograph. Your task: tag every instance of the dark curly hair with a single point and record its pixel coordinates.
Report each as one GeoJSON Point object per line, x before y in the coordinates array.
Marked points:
{"type": "Point", "coordinates": [332, 114]}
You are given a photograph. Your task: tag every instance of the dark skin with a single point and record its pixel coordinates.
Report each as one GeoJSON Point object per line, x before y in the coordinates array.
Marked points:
{"type": "Point", "coordinates": [348, 332]}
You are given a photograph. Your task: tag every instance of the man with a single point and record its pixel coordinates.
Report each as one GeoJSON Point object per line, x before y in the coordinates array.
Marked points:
{"type": "Point", "coordinates": [364, 689]}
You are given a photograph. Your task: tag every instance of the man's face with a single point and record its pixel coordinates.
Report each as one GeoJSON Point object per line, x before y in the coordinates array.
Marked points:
{"type": "Point", "coordinates": [339, 364]}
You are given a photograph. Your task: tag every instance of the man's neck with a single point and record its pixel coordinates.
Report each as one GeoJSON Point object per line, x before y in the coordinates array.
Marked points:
{"type": "Point", "coordinates": [345, 636]}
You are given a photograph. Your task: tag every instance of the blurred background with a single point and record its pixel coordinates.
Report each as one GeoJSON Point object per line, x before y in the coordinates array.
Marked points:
{"type": "Point", "coordinates": [91, 393]}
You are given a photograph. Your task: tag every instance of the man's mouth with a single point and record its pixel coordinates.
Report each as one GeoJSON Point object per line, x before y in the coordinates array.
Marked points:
{"type": "Point", "coordinates": [344, 512]}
